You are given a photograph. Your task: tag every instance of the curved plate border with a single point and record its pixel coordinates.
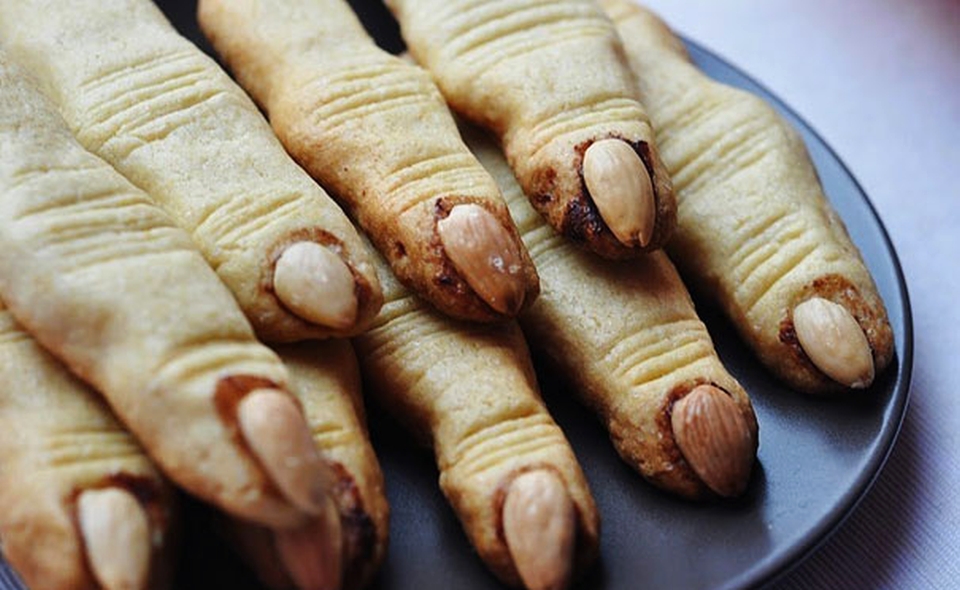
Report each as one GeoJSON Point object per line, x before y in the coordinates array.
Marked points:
{"type": "Point", "coordinates": [771, 567]}
{"type": "Point", "coordinates": [776, 569]}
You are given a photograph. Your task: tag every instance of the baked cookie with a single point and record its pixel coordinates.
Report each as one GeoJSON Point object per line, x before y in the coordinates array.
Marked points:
{"type": "Point", "coordinates": [551, 82]}
{"type": "Point", "coordinates": [470, 393]}
{"type": "Point", "coordinates": [105, 280]}
{"type": "Point", "coordinates": [626, 335]}
{"type": "Point", "coordinates": [755, 231]}
{"type": "Point", "coordinates": [375, 130]}
{"type": "Point", "coordinates": [81, 505]}
{"type": "Point", "coordinates": [326, 379]}
{"type": "Point", "coordinates": [168, 118]}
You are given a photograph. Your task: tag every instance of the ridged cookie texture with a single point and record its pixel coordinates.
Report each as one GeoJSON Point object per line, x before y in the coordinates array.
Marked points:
{"type": "Point", "coordinates": [105, 280]}
{"type": "Point", "coordinates": [755, 231]}
{"type": "Point", "coordinates": [374, 130]}
{"type": "Point", "coordinates": [549, 79]}
{"type": "Point", "coordinates": [627, 336]}
{"type": "Point", "coordinates": [469, 392]}
{"type": "Point", "coordinates": [167, 117]}
{"type": "Point", "coordinates": [58, 440]}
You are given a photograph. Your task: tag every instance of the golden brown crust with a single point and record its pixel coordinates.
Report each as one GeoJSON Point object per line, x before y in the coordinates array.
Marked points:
{"type": "Point", "coordinates": [470, 391]}
{"type": "Point", "coordinates": [549, 79]}
{"type": "Point", "coordinates": [755, 230]}
{"type": "Point", "coordinates": [625, 333]}
{"type": "Point", "coordinates": [371, 128]}
{"type": "Point", "coordinates": [167, 117]}
{"type": "Point", "coordinates": [557, 190]}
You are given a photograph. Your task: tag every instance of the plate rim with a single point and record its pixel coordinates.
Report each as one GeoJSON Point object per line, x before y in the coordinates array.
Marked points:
{"type": "Point", "coordinates": [781, 565]}
{"type": "Point", "coordinates": [767, 572]}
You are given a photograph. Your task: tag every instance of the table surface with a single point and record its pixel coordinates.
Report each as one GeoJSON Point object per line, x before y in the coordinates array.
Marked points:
{"type": "Point", "coordinates": [880, 81]}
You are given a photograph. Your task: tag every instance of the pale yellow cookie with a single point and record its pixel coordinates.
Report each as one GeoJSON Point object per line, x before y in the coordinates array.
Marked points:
{"type": "Point", "coordinates": [550, 80]}
{"type": "Point", "coordinates": [626, 335]}
{"type": "Point", "coordinates": [73, 483]}
{"type": "Point", "coordinates": [326, 378]}
{"type": "Point", "coordinates": [469, 391]}
{"type": "Point", "coordinates": [375, 130]}
{"type": "Point", "coordinates": [105, 280]}
{"type": "Point", "coordinates": [167, 117]}
{"type": "Point", "coordinates": [755, 231]}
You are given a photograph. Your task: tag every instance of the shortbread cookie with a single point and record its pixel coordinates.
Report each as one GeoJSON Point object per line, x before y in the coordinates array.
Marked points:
{"type": "Point", "coordinates": [755, 231]}
{"type": "Point", "coordinates": [469, 391]}
{"type": "Point", "coordinates": [375, 130]}
{"type": "Point", "coordinates": [81, 505]}
{"type": "Point", "coordinates": [326, 378]}
{"type": "Point", "coordinates": [105, 280]}
{"type": "Point", "coordinates": [550, 80]}
{"type": "Point", "coordinates": [167, 117]}
{"type": "Point", "coordinates": [626, 335]}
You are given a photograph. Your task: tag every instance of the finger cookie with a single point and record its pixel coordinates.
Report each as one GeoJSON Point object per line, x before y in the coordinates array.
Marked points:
{"type": "Point", "coordinates": [81, 505]}
{"type": "Point", "coordinates": [168, 118]}
{"type": "Point", "coordinates": [755, 230]}
{"type": "Point", "coordinates": [626, 334]}
{"type": "Point", "coordinates": [469, 391]}
{"type": "Point", "coordinates": [326, 379]}
{"type": "Point", "coordinates": [375, 130]}
{"type": "Point", "coordinates": [102, 278]}
{"type": "Point", "coordinates": [549, 79]}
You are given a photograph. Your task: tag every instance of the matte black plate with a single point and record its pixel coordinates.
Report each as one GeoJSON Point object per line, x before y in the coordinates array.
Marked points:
{"type": "Point", "coordinates": [817, 457]}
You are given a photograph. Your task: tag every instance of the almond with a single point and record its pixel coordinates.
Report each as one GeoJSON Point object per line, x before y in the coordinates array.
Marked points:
{"type": "Point", "coordinates": [116, 536]}
{"type": "Point", "coordinates": [539, 524]}
{"type": "Point", "coordinates": [316, 284]}
{"type": "Point", "coordinates": [620, 186]}
{"type": "Point", "coordinates": [311, 554]}
{"type": "Point", "coordinates": [714, 438]}
{"type": "Point", "coordinates": [833, 341]}
{"type": "Point", "coordinates": [486, 255]}
{"type": "Point", "coordinates": [277, 433]}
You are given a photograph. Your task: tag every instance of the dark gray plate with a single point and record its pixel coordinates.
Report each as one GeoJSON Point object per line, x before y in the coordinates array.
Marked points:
{"type": "Point", "coordinates": [817, 458]}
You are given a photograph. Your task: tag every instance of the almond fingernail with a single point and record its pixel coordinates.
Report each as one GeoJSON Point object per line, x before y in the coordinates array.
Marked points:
{"type": "Point", "coordinates": [539, 524]}
{"type": "Point", "coordinates": [277, 433]}
{"type": "Point", "coordinates": [316, 284]}
{"type": "Point", "coordinates": [621, 188]}
{"type": "Point", "coordinates": [312, 554]}
{"type": "Point", "coordinates": [116, 536]}
{"type": "Point", "coordinates": [833, 341]}
{"type": "Point", "coordinates": [714, 438]}
{"type": "Point", "coordinates": [486, 256]}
